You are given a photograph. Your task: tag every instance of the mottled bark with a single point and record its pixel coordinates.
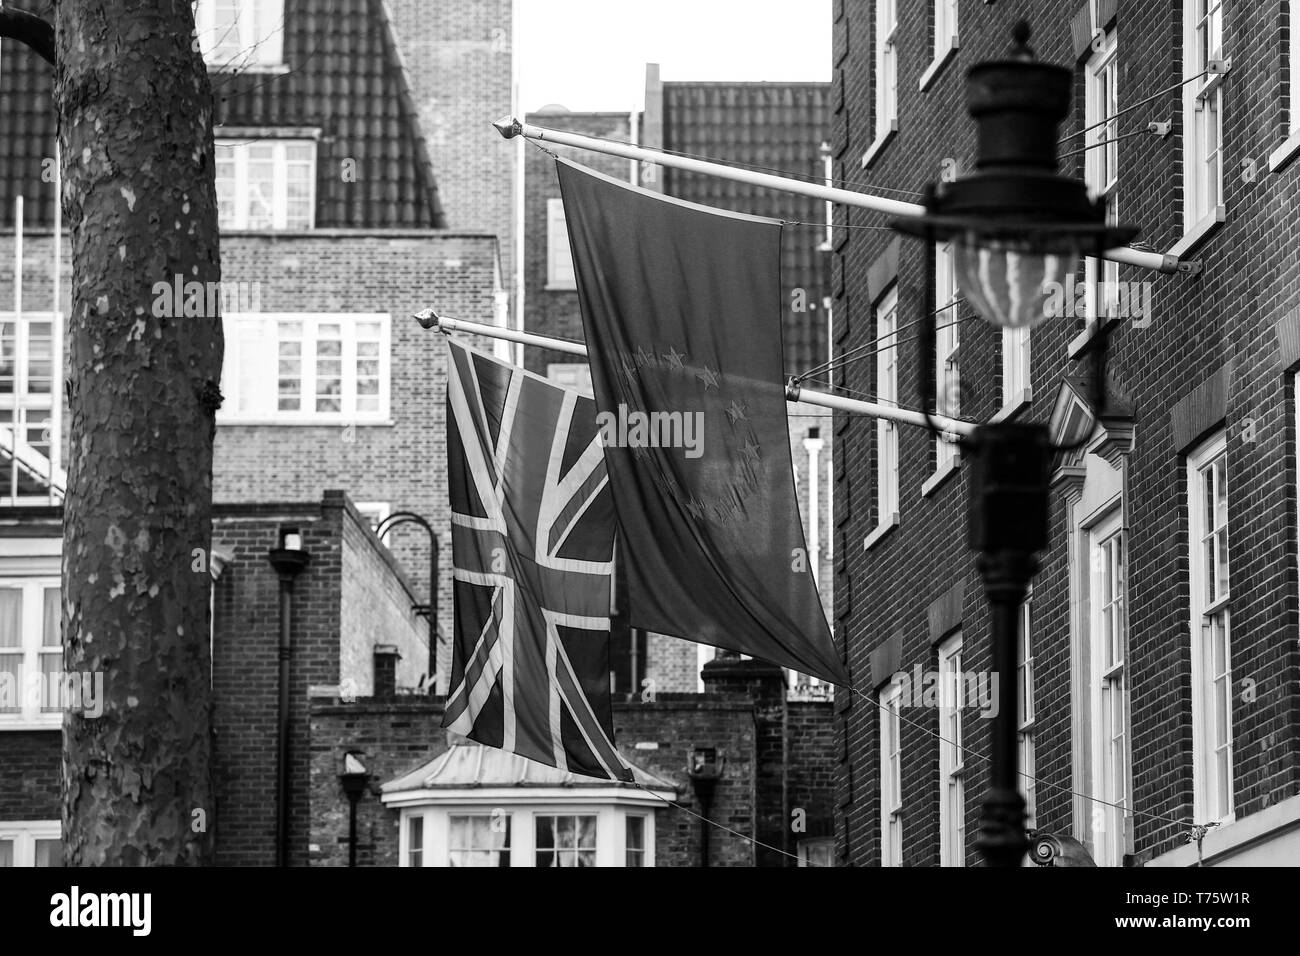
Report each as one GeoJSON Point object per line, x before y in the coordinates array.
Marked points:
{"type": "Point", "coordinates": [135, 131]}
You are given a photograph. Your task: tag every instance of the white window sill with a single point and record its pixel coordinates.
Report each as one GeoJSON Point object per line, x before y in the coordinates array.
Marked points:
{"type": "Point", "coordinates": [560, 287]}
{"type": "Point", "coordinates": [309, 422]}
{"type": "Point", "coordinates": [277, 68]}
{"type": "Point", "coordinates": [940, 476]}
{"type": "Point", "coordinates": [1284, 153]}
{"type": "Point", "coordinates": [1018, 403]}
{"type": "Point", "coordinates": [1238, 836]}
{"type": "Point", "coordinates": [54, 725]}
{"type": "Point", "coordinates": [880, 142]}
{"type": "Point", "coordinates": [936, 66]}
{"type": "Point", "coordinates": [1199, 232]}
{"type": "Point", "coordinates": [881, 530]}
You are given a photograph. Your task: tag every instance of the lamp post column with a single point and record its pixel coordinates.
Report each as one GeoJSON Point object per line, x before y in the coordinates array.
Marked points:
{"type": "Point", "coordinates": [1008, 526]}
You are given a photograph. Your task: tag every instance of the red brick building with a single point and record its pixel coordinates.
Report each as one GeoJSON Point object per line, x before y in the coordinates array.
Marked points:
{"type": "Point", "coordinates": [1160, 646]}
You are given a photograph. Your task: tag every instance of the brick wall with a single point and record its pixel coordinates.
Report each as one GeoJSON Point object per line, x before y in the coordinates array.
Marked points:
{"type": "Point", "coordinates": [32, 778]}
{"type": "Point", "coordinates": [375, 608]}
{"type": "Point", "coordinates": [245, 672]}
{"type": "Point", "coordinates": [245, 659]}
{"type": "Point", "coordinates": [1250, 282]}
{"type": "Point", "coordinates": [402, 462]}
{"type": "Point", "coordinates": [660, 736]}
{"type": "Point", "coordinates": [394, 736]}
{"type": "Point", "coordinates": [459, 56]}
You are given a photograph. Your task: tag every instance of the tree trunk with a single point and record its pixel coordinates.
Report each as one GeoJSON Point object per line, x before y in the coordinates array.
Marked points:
{"type": "Point", "coordinates": [135, 131]}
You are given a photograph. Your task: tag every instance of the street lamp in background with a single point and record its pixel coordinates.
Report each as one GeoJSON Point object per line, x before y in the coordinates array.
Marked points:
{"type": "Point", "coordinates": [354, 779]}
{"type": "Point", "coordinates": [1015, 225]}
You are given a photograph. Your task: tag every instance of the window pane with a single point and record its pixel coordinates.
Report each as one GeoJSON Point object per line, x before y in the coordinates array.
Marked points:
{"type": "Point", "coordinates": [53, 626]}
{"type": "Point", "coordinates": [49, 853]}
{"type": "Point", "coordinates": [6, 853]}
{"type": "Point", "coordinates": [8, 356]}
{"type": "Point", "coordinates": [11, 683]}
{"type": "Point", "coordinates": [545, 833]}
{"type": "Point", "coordinates": [51, 685]}
{"type": "Point", "coordinates": [11, 617]}
{"type": "Point", "coordinates": [415, 841]}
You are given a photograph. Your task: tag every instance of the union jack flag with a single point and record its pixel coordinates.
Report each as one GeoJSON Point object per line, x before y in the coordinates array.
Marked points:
{"type": "Point", "coordinates": [533, 553]}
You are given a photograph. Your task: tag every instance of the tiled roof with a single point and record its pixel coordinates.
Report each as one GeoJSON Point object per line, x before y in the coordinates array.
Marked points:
{"type": "Point", "coordinates": [468, 765]}
{"type": "Point", "coordinates": [777, 125]}
{"type": "Point", "coordinates": [344, 77]}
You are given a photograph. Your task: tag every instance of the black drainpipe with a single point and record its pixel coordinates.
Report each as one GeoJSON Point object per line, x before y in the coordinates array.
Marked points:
{"type": "Point", "coordinates": [288, 560]}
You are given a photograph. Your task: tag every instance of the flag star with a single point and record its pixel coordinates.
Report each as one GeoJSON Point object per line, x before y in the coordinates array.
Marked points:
{"type": "Point", "coordinates": [737, 413]}
{"type": "Point", "coordinates": [629, 367]}
{"type": "Point", "coordinates": [708, 377]}
{"type": "Point", "coordinates": [751, 451]}
{"type": "Point", "coordinates": [674, 358]}
{"type": "Point", "coordinates": [643, 357]}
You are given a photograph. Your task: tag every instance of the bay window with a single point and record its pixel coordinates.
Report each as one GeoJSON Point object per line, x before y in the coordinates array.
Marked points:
{"type": "Point", "coordinates": [514, 834]}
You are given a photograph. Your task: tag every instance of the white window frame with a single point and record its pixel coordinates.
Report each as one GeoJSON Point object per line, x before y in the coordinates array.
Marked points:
{"type": "Point", "coordinates": [947, 343]}
{"type": "Point", "coordinates": [238, 154]}
{"type": "Point", "coordinates": [24, 835]}
{"type": "Point", "coordinates": [1212, 747]}
{"type": "Point", "coordinates": [1017, 389]}
{"type": "Point", "coordinates": [252, 360]}
{"type": "Point", "coordinates": [887, 455]}
{"type": "Point", "coordinates": [891, 776]}
{"type": "Point", "coordinates": [1025, 713]}
{"type": "Point", "coordinates": [945, 39]}
{"type": "Point", "coordinates": [611, 829]}
{"type": "Point", "coordinates": [885, 78]}
{"type": "Point", "coordinates": [25, 403]}
{"type": "Point", "coordinates": [259, 35]}
{"type": "Point", "coordinates": [952, 764]}
{"type": "Point", "coordinates": [31, 716]}
{"type": "Point", "coordinates": [1101, 167]}
{"type": "Point", "coordinates": [1203, 204]}
{"type": "Point", "coordinates": [1111, 741]}
{"type": "Point", "coordinates": [560, 274]}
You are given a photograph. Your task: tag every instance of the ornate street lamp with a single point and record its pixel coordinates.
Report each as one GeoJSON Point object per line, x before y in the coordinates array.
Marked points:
{"type": "Point", "coordinates": [1015, 225]}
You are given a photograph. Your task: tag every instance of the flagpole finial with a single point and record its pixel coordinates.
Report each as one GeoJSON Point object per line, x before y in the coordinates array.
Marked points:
{"type": "Point", "coordinates": [427, 318]}
{"type": "Point", "coordinates": [508, 127]}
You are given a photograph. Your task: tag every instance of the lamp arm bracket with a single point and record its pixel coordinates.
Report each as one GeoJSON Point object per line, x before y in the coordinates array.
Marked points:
{"type": "Point", "coordinates": [1189, 267]}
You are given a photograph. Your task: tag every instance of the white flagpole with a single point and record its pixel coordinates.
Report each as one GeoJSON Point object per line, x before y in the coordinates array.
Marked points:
{"type": "Point", "coordinates": [793, 391]}
{"type": "Point", "coordinates": [509, 127]}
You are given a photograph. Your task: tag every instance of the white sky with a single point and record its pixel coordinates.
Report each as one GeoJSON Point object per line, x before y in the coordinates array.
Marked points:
{"type": "Point", "coordinates": [591, 54]}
